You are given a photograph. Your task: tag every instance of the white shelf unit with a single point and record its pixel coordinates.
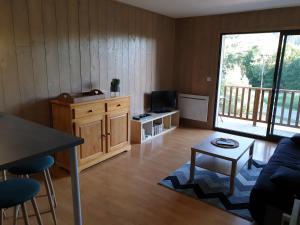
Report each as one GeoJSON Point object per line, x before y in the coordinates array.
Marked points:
{"type": "Point", "coordinates": [144, 129]}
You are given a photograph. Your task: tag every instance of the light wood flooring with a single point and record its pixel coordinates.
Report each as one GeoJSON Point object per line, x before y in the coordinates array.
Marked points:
{"type": "Point", "coordinates": [124, 190]}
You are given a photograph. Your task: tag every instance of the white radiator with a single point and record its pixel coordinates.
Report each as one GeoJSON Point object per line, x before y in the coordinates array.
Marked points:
{"type": "Point", "coordinates": [193, 107]}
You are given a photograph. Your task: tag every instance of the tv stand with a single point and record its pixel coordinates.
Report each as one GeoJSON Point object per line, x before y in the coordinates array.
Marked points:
{"type": "Point", "coordinates": [141, 116]}
{"type": "Point", "coordinates": [154, 125]}
{"type": "Point", "coordinates": [162, 111]}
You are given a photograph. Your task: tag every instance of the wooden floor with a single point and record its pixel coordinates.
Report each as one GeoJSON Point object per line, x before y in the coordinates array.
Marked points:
{"type": "Point", "coordinates": [124, 190]}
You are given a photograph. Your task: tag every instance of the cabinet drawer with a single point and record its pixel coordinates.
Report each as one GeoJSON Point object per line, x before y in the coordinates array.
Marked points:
{"type": "Point", "coordinates": [117, 104]}
{"type": "Point", "coordinates": [88, 110]}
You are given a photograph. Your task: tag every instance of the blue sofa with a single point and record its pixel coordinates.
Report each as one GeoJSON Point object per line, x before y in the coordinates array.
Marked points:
{"type": "Point", "coordinates": [280, 195]}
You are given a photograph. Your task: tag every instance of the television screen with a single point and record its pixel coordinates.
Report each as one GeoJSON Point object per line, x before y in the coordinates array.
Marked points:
{"type": "Point", "coordinates": [163, 101]}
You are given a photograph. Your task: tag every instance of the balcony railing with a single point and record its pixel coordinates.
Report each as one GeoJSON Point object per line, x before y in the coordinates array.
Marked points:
{"type": "Point", "coordinates": [250, 103]}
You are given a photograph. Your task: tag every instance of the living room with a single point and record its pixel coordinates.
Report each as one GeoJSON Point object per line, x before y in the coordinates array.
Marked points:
{"type": "Point", "coordinates": [182, 112]}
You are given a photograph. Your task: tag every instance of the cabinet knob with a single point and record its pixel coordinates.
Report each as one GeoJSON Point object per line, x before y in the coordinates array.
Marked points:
{"type": "Point", "coordinates": [118, 105]}
{"type": "Point", "coordinates": [108, 133]}
{"type": "Point", "coordinates": [90, 111]}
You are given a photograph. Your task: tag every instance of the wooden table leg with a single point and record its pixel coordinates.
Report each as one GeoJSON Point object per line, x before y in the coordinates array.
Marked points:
{"type": "Point", "coordinates": [250, 156]}
{"type": "Point", "coordinates": [75, 187]}
{"type": "Point", "coordinates": [192, 166]}
{"type": "Point", "coordinates": [232, 177]}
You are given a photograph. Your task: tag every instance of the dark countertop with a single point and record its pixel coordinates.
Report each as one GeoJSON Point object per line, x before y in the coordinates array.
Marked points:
{"type": "Point", "coordinates": [21, 140]}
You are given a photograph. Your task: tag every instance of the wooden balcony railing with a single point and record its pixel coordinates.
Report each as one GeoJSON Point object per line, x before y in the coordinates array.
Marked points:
{"type": "Point", "coordinates": [250, 103]}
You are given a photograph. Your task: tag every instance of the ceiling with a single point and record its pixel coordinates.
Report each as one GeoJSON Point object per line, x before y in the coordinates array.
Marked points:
{"type": "Point", "coordinates": [189, 8]}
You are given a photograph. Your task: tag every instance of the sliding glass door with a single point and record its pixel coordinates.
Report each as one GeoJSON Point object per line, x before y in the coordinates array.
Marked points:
{"type": "Point", "coordinates": [286, 105]}
{"type": "Point", "coordinates": [259, 84]}
{"type": "Point", "coordinates": [247, 66]}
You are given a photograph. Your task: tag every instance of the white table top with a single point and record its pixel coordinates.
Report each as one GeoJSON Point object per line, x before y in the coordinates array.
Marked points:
{"type": "Point", "coordinates": [207, 148]}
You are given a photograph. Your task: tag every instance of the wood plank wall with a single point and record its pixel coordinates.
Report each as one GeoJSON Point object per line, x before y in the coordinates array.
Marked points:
{"type": "Point", "coordinates": [52, 46]}
{"type": "Point", "coordinates": [197, 46]}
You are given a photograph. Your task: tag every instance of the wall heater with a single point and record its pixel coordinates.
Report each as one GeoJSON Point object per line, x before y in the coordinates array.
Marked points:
{"type": "Point", "coordinates": [193, 107]}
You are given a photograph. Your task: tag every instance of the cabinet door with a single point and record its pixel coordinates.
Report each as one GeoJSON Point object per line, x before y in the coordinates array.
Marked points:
{"type": "Point", "coordinates": [117, 130]}
{"type": "Point", "coordinates": [93, 132]}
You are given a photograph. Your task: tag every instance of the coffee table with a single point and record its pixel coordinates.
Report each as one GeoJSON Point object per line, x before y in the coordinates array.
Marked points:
{"type": "Point", "coordinates": [222, 160]}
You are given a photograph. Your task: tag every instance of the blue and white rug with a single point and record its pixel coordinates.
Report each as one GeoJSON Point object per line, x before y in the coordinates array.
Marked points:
{"type": "Point", "coordinates": [213, 188]}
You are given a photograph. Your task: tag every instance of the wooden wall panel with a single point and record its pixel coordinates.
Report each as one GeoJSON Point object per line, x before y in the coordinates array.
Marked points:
{"type": "Point", "coordinates": [94, 44]}
{"type": "Point", "coordinates": [84, 40]}
{"type": "Point", "coordinates": [198, 42]}
{"type": "Point", "coordinates": [137, 77]}
{"type": "Point", "coordinates": [131, 56]}
{"type": "Point", "coordinates": [39, 60]}
{"type": "Point", "coordinates": [8, 60]}
{"type": "Point", "coordinates": [148, 31]}
{"type": "Point", "coordinates": [125, 48]}
{"type": "Point", "coordinates": [63, 45]}
{"type": "Point", "coordinates": [74, 49]}
{"type": "Point", "coordinates": [118, 37]}
{"type": "Point", "coordinates": [54, 46]}
{"type": "Point", "coordinates": [51, 47]}
{"type": "Point", "coordinates": [110, 41]}
{"type": "Point", "coordinates": [24, 57]}
{"type": "Point", "coordinates": [103, 43]}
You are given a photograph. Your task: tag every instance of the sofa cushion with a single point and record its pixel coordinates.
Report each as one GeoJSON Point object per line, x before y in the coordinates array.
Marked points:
{"type": "Point", "coordinates": [287, 178]}
{"type": "Point", "coordinates": [265, 192]}
{"type": "Point", "coordinates": [296, 139]}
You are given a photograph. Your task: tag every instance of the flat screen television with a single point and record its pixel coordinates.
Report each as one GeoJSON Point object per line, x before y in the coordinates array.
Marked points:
{"type": "Point", "coordinates": [163, 101]}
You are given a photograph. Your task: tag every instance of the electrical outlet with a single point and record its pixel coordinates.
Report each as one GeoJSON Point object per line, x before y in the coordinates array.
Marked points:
{"type": "Point", "coordinates": [208, 79]}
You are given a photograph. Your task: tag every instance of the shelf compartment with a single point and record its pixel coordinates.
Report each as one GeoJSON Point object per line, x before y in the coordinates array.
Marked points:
{"type": "Point", "coordinates": [147, 131]}
{"type": "Point", "coordinates": [141, 129]}
{"type": "Point", "coordinates": [157, 126]}
{"type": "Point", "coordinates": [167, 122]}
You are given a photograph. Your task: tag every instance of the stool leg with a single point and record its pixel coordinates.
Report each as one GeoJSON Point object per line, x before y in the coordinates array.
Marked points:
{"type": "Point", "coordinates": [25, 215]}
{"type": "Point", "coordinates": [37, 212]}
{"type": "Point", "coordinates": [4, 214]}
{"type": "Point", "coordinates": [1, 217]}
{"type": "Point", "coordinates": [51, 187]}
{"type": "Point", "coordinates": [49, 197]}
{"type": "Point", "coordinates": [4, 175]}
{"type": "Point", "coordinates": [16, 213]}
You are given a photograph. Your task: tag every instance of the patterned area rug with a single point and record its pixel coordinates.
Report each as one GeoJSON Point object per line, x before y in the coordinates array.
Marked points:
{"type": "Point", "coordinates": [213, 188]}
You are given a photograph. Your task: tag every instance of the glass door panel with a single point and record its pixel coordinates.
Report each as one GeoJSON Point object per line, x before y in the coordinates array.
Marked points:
{"type": "Point", "coordinates": [285, 119]}
{"type": "Point", "coordinates": [246, 74]}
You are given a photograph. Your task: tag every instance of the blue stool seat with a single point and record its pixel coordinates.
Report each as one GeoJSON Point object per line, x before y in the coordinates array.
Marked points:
{"type": "Point", "coordinates": [32, 167]}
{"type": "Point", "coordinates": [17, 191]}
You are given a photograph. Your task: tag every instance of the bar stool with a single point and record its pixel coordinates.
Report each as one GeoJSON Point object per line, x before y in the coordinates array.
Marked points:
{"type": "Point", "coordinates": [36, 166]}
{"type": "Point", "coordinates": [16, 192]}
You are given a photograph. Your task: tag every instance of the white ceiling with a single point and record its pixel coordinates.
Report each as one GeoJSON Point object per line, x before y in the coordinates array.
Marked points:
{"type": "Point", "coordinates": [189, 8]}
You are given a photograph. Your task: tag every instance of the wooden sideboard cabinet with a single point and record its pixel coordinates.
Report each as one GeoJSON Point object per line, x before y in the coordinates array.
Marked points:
{"type": "Point", "coordinates": [104, 124]}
